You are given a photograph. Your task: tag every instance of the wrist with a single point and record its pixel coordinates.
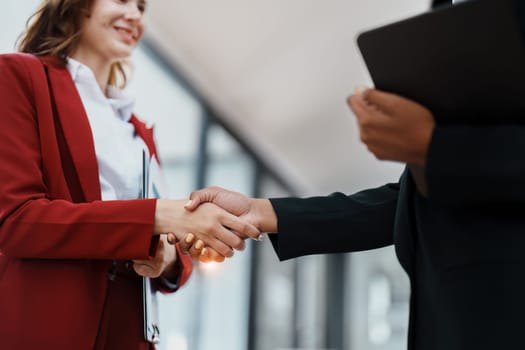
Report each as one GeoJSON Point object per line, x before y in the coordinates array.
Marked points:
{"type": "Point", "coordinates": [166, 211]}
{"type": "Point", "coordinates": [161, 211]}
{"type": "Point", "coordinates": [266, 219]}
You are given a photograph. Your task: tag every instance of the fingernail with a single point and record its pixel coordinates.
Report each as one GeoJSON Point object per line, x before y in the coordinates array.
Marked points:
{"type": "Point", "coordinates": [258, 238]}
{"type": "Point", "coordinates": [199, 244]}
{"type": "Point", "coordinates": [189, 238]}
{"type": "Point", "coordinates": [204, 251]}
{"type": "Point", "coordinates": [171, 238]}
{"type": "Point", "coordinates": [188, 203]}
{"type": "Point", "coordinates": [360, 90]}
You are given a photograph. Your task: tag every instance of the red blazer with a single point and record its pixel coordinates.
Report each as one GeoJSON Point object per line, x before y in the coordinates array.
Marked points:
{"type": "Point", "coordinates": [57, 238]}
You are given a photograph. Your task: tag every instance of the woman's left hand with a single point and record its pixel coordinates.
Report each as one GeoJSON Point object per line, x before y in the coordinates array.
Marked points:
{"type": "Point", "coordinates": [393, 127]}
{"type": "Point", "coordinates": [165, 257]}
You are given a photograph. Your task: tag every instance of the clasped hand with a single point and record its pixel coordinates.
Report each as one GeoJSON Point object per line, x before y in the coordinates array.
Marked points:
{"type": "Point", "coordinates": [219, 229]}
{"type": "Point", "coordinates": [256, 212]}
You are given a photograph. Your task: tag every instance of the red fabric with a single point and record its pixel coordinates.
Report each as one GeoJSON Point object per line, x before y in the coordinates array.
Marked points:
{"type": "Point", "coordinates": [117, 331]}
{"type": "Point", "coordinates": [57, 238]}
{"type": "Point", "coordinates": [146, 135]}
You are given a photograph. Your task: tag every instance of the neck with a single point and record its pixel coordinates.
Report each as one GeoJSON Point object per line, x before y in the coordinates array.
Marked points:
{"type": "Point", "coordinates": [101, 68]}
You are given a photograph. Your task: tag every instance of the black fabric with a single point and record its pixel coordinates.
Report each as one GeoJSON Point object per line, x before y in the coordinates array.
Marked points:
{"type": "Point", "coordinates": [436, 3]}
{"type": "Point", "coordinates": [465, 263]}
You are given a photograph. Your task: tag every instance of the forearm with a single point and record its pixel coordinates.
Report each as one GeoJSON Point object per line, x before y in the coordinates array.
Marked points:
{"type": "Point", "coordinates": [60, 229]}
{"type": "Point", "coordinates": [335, 223]}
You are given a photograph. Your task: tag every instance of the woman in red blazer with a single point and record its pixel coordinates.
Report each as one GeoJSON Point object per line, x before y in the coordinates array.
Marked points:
{"type": "Point", "coordinates": [70, 262]}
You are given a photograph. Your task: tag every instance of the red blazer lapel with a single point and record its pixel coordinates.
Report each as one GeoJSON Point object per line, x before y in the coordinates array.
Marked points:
{"type": "Point", "coordinates": [76, 129]}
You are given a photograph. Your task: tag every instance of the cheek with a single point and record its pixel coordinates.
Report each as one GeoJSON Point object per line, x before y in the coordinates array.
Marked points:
{"type": "Point", "coordinates": [95, 29]}
{"type": "Point", "coordinates": [142, 29]}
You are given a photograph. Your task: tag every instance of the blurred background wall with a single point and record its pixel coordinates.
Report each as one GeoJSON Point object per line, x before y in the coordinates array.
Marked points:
{"type": "Point", "coordinates": [251, 96]}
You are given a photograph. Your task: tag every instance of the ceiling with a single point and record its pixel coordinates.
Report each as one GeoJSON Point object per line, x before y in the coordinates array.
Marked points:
{"type": "Point", "coordinates": [279, 72]}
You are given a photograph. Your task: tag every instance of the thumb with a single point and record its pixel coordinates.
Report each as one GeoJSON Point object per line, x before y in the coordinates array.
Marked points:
{"type": "Point", "coordinates": [193, 203]}
{"type": "Point", "coordinates": [385, 101]}
{"type": "Point", "coordinates": [199, 197]}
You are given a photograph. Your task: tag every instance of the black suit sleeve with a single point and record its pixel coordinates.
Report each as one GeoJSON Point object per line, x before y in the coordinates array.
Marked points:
{"type": "Point", "coordinates": [477, 165]}
{"type": "Point", "coordinates": [335, 223]}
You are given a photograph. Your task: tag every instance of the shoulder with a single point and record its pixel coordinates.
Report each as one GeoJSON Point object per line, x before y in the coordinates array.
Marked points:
{"type": "Point", "coordinates": [20, 73]}
{"type": "Point", "coordinates": [25, 62]}
{"type": "Point", "coordinates": [17, 59]}
{"type": "Point", "coordinates": [17, 66]}
{"type": "Point", "coordinates": [12, 60]}
{"type": "Point", "coordinates": [14, 69]}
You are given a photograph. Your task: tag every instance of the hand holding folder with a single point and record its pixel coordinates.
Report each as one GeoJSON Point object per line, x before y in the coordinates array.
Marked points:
{"type": "Point", "coordinates": [465, 63]}
{"type": "Point", "coordinates": [394, 128]}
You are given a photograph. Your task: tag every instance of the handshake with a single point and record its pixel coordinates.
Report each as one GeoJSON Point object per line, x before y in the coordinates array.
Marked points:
{"type": "Point", "coordinates": [216, 221]}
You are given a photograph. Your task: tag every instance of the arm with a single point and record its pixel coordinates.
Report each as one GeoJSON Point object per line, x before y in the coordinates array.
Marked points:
{"type": "Point", "coordinates": [38, 218]}
{"type": "Point", "coordinates": [335, 223]}
{"type": "Point", "coordinates": [57, 229]}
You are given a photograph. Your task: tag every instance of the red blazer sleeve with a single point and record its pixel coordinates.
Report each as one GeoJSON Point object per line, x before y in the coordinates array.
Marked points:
{"type": "Point", "coordinates": [185, 267]}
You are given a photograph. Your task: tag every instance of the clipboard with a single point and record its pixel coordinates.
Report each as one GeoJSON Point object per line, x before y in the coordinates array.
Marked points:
{"type": "Point", "coordinates": [465, 62]}
{"type": "Point", "coordinates": [149, 294]}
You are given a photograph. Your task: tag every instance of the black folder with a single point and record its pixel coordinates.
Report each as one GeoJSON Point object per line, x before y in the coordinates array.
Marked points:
{"type": "Point", "coordinates": [464, 62]}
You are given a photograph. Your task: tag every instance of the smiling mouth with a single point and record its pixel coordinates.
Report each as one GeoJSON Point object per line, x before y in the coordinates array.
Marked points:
{"type": "Point", "coordinates": [131, 34]}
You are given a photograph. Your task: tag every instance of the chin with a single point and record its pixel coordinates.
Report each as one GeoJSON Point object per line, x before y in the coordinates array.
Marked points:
{"type": "Point", "coordinates": [119, 55]}
{"type": "Point", "coordinates": [122, 50]}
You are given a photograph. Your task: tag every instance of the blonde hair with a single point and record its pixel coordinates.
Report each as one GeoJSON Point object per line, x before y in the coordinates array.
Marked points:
{"type": "Point", "coordinates": [55, 29]}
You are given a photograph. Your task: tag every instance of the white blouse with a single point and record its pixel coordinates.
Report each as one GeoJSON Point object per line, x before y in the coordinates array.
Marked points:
{"type": "Point", "coordinates": [118, 149]}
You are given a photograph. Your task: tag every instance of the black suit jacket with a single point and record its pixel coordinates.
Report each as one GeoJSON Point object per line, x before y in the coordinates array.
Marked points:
{"type": "Point", "coordinates": [463, 247]}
